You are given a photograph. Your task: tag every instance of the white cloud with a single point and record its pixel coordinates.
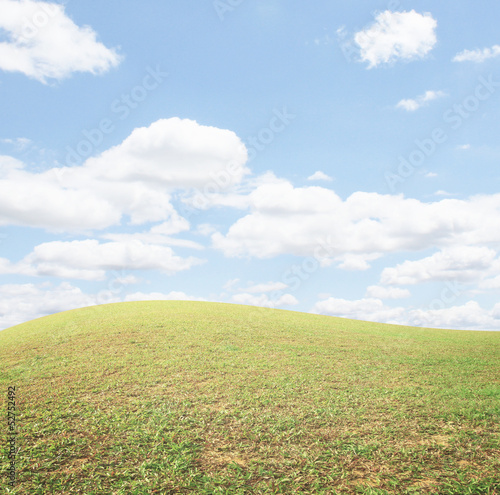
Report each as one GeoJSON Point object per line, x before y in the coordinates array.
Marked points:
{"type": "Point", "coordinates": [430, 175]}
{"type": "Point", "coordinates": [8, 165]}
{"type": "Point", "coordinates": [44, 43]}
{"type": "Point", "coordinates": [153, 239]}
{"type": "Point", "coordinates": [465, 264]}
{"type": "Point", "coordinates": [160, 234]}
{"type": "Point", "coordinates": [90, 260]}
{"type": "Point", "coordinates": [175, 225]}
{"type": "Point", "coordinates": [377, 292]}
{"type": "Point", "coordinates": [18, 143]}
{"type": "Point", "coordinates": [127, 280]}
{"type": "Point", "coordinates": [314, 221]}
{"type": "Point", "coordinates": [463, 147]}
{"type": "Point", "coordinates": [469, 316]}
{"type": "Point", "coordinates": [230, 284]}
{"type": "Point", "coordinates": [159, 296]}
{"type": "Point", "coordinates": [411, 105]}
{"type": "Point", "coordinates": [266, 287]}
{"type": "Point", "coordinates": [24, 302]}
{"type": "Point", "coordinates": [397, 36]}
{"type": "Point", "coordinates": [490, 283]}
{"type": "Point", "coordinates": [478, 55]}
{"type": "Point", "coordinates": [369, 309]}
{"type": "Point", "coordinates": [205, 229]}
{"type": "Point", "coordinates": [38, 200]}
{"type": "Point", "coordinates": [319, 175]}
{"type": "Point", "coordinates": [355, 262]}
{"type": "Point", "coordinates": [264, 300]}
{"type": "Point", "coordinates": [174, 153]}
{"type": "Point", "coordinates": [135, 178]}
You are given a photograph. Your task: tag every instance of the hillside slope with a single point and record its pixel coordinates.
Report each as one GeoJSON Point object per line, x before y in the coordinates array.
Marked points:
{"type": "Point", "coordinates": [193, 397]}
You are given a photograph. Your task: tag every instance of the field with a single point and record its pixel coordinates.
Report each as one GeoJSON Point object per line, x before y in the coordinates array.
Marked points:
{"type": "Point", "coordinates": [211, 398]}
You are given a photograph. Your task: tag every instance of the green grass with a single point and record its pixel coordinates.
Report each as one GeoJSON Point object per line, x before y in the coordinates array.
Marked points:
{"type": "Point", "coordinates": [193, 397]}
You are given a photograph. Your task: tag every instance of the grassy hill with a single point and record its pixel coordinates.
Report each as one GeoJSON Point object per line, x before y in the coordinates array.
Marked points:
{"type": "Point", "coordinates": [194, 397]}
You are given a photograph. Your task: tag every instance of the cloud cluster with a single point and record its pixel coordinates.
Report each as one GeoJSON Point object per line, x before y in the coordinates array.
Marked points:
{"type": "Point", "coordinates": [264, 300]}
{"type": "Point", "coordinates": [465, 264]}
{"type": "Point", "coordinates": [369, 309]}
{"type": "Point", "coordinates": [172, 153]}
{"type": "Point", "coordinates": [25, 302]}
{"type": "Point", "coordinates": [159, 296]}
{"type": "Point", "coordinates": [268, 294]}
{"type": "Point", "coordinates": [378, 292]}
{"type": "Point", "coordinates": [90, 259]}
{"type": "Point", "coordinates": [265, 287]}
{"type": "Point", "coordinates": [469, 316]}
{"type": "Point", "coordinates": [44, 43]}
{"type": "Point", "coordinates": [397, 36]}
{"type": "Point", "coordinates": [135, 178]}
{"type": "Point", "coordinates": [314, 221]}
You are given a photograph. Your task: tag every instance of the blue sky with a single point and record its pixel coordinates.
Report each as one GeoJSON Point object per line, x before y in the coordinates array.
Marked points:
{"type": "Point", "coordinates": [328, 157]}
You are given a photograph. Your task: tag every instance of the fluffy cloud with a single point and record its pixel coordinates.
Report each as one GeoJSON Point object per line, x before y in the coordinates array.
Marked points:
{"type": "Point", "coordinates": [159, 296]}
{"type": "Point", "coordinates": [319, 175]}
{"type": "Point", "coordinates": [411, 105]}
{"type": "Point", "coordinates": [397, 36]}
{"type": "Point", "coordinates": [44, 43]}
{"type": "Point", "coordinates": [369, 309]}
{"type": "Point", "coordinates": [38, 200]}
{"type": "Point", "coordinates": [90, 260]}
{"type": "Point", "coordinates": [8, 164]}
{"type": "Point", "coordinates": [174, 153]}
{"type": "Point", "coordinates": [268, 294]}
{"type": "Point", "coordinates": [353, 262]}
{"type": "Point", "coordinates": [266, 287]}
{"type": "Point", "coordinates": [24, 302]}
{"type": "Point", "coordinates": [160, 234]}
{"type": "Point", "coordinates": [264, 300]}
{"type": "Point", "coordinates": [135, 178]}
{"type": "Point", "coordinates": [465, 264]}
{"type": "Point", "coordinates": [469, 316]}
{"type": "Point", "coordinates": [377, 292]}
{"type": "Point", "coordinates": [478, 55]}
{"type": "Point", "coordinates": [314, 221]}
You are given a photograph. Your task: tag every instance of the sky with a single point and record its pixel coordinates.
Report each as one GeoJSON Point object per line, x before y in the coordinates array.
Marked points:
{"type": "Point", "coordinates": [332, 157]}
